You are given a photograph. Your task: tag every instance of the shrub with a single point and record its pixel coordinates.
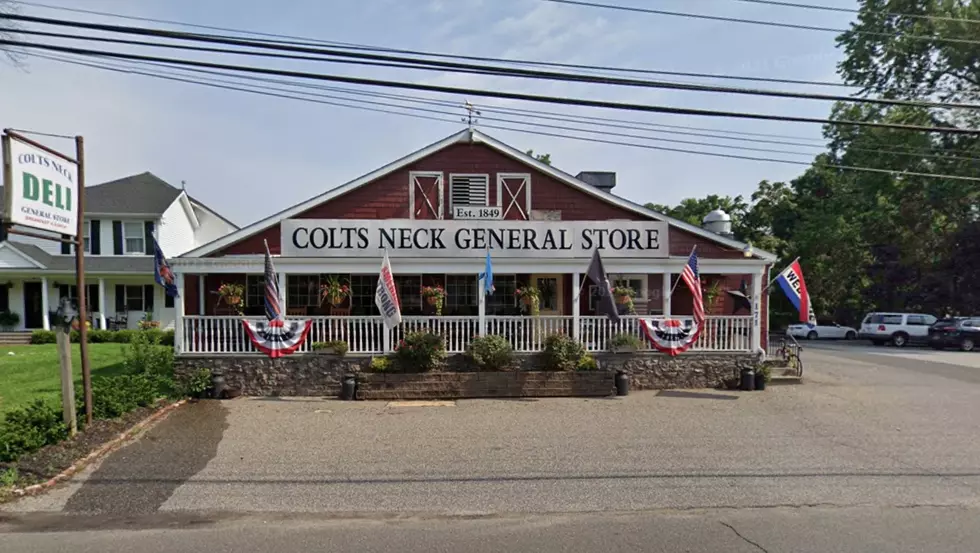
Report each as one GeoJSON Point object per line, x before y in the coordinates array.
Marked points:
{"type": "Point", "coordinates": [29, 429]}
{"type": "Point", "coordinates": [100, 336]}
{"type": "Point", "coordinates": [195, 384]}
{"type": "Point", "coordinates": [624, 340]}
{"type": "Point", "coordinates": [338, 346]}
{"type": "Point", "coordinates": [492, 352]}
{"type": "Point", "coordinates": [115, 396]}
{"type": "Point", "coordinates": [9, 319]}
{"type": "Point", "coordinates": [380, 364]}
{"type": "Point", "coordinates": [43, 337]}
{"type": "Point", "coordinates": [562, 353]}
{"type": "Point", "coordinates": [144, 355]}
{"type": "Point", "coordinates": [587, 363]}
{"type": "Point", "coordinates": [420, 351]}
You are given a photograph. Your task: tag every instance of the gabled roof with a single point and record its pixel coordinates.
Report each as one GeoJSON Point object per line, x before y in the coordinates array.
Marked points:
{"type": "Point", "coordinates": [466, 136]}
{"type": "Point", "coordinates": [19, 250]}
{"type": "Point", "coordinates": [135, 264]}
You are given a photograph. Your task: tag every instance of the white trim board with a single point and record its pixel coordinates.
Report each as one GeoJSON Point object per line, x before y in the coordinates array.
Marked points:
{"type": "Point", "coordinates": [467, 136]}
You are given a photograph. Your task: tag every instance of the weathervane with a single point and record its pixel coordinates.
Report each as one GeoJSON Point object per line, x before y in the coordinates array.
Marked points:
{"type": "Point", "coordinates": [471, 114]}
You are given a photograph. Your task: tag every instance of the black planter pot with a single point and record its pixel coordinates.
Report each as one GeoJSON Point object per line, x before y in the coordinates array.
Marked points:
{"type": "Point", "coordinates": [218, 386]}
{"type": "Point", "coordinates": [348, 387]}
{"type": "Point", "coordinates": [760, 381]}
{"type": "Point", "coordinates": [622, 384]}
{"type": "Point", "coordinates": [747, 382]}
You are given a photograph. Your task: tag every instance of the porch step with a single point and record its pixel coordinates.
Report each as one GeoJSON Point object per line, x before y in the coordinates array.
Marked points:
{"type": "Point", "coordinates": [15, 338]}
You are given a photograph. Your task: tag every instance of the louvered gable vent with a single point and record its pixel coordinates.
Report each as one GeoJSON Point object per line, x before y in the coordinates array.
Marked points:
{"type": "Point", "coordinates": [469, 189]}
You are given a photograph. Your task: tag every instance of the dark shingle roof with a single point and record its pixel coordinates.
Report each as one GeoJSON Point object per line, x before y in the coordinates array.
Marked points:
{"type": "Point", "coordinates": [145, 193]}
{"type": "Point", "coordinates": [136, 264]}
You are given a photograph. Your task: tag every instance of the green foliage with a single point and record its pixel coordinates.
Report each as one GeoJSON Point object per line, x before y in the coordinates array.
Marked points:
{"type": "Point", "coordinates": [420, 352]}
{"type": "Point", "coordinates": [43, 337]}
{"type": "Point", "coordinates": [9, 319]}
{"type": "Point", "coordinates": [114, 396]}
{"type": "Point", "coordinates": [339, 347]}
{"type": "Point", "coordinates": [587, 363]}
{"type": "Point", "coordinates": [195, 384]}
{"type": "Point", "coordinates": [562, 353]}
{"type": "Point", "coordinates": [765, 370]}
{"type": "Point", "coordinates": [144, 355]}
{"type": "Point", "coordinates": [624, 340]}
{"type": "Point", "coordinates": [491, 353]}
{"type": "Point", "coordinates": [380, 364]}
{"type": "Point", "coordinates": [8, 477]}
{"type": "Point", "coordinates": [543, 158]}
{"type": "Point", "coordinates": [163, 337]}
{"type": "Point", "coordinates": [29, 429]}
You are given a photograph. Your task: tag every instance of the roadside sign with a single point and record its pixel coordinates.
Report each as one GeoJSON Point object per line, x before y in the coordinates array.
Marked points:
{"type": "Point", "coordinates": [41, 189]}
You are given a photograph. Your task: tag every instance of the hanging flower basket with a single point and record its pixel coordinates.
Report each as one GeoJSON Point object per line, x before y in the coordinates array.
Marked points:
{"type": "Point", "coordinates": [624, 296]}
{"type": "Point", "coordinates": [233, 300]}
{"type": "Point", "coordinates": [434, 296]}
{"type": "Point", "coordinates": [231, 294]}
{"type": "Point", "coordinates": [531, 298]}
{"type": "Point", "coordinates": [334, 291]}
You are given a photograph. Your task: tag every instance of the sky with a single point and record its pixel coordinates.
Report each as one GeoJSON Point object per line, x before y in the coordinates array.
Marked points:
{"type": "Point", "coordinates": [248, 156]}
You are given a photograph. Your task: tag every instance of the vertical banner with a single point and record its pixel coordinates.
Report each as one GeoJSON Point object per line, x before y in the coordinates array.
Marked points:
{"type": "Point", "coordinates": [386, 296]}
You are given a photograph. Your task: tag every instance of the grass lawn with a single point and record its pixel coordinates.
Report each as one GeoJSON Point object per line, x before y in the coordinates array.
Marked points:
{"type": "Point", "coordinates": [33, 371]}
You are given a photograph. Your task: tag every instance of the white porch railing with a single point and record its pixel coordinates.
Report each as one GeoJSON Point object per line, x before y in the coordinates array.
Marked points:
{"type": "Point", "coordinates": [367, 335]}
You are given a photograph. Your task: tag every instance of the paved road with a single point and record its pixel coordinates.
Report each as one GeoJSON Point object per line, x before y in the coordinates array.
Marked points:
{"type": "Point", "coordinates": [872, 438]}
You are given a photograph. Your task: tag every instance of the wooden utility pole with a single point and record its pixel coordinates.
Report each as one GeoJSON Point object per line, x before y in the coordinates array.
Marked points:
{"type": "Point", "coordinates": [80, 280]}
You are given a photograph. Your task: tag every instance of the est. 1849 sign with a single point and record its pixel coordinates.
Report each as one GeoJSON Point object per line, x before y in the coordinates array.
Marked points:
{"type": "Point", "coordinates": [446, 238]}
{"type": "Point", "coordinates": [41, 189]}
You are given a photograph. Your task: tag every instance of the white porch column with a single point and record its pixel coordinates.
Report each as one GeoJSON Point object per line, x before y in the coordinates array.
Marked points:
{"type": "Point", "coordinates": [481, 289]}
{"type": "Point", "coordinates": [756, 344]}
{"type": "Point", "coordinates": [576, 305]}
{"type": "Point", "coordinates": [102, 303]}
{"type": "Point", "coordinates": [45, 322]}
{"type": "Point", "coordinates": [179, 314]}
{"type": "Point", "coordinates": [665, 294]}
{"type": "Point", "coordinates": [200, 295]}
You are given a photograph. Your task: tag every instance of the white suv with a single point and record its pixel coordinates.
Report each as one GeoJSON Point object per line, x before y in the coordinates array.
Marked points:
{"type": "Point", "coordinates": [898, 328]}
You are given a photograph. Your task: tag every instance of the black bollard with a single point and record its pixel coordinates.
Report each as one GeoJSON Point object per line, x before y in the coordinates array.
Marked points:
{"type": "Point", "coordinates": [622, 384]}
{"type": "Point", "coordinates": [347, 388]}
{"type": "Point", "coordinates": [760, 380]}
{"type": "Point", "coordinates": [747, 383]}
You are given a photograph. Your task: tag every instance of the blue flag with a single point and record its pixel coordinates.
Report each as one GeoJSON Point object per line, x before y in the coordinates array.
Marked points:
{"type": "Point", "coordinates": [487, 276]}
{"type": "Point", "coordinates": [162, 272]}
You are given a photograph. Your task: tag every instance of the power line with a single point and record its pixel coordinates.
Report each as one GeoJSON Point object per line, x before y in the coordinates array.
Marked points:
{"type": "Point", "coordinates": [491, 93]}
{"type": "Point", "coordinates": [306, 41]}
{"type": "Point", "coordinates": [783, 24]}
{"type": "Point", "coordinates": [854, 10]}
{"type": "Point", "coordinates": [588, 139]}
{"type": "Point", "coordinates": [441, 65]}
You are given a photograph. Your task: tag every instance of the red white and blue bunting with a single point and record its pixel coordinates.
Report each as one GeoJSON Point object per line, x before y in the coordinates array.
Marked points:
{"type": "Point", "coordinates": [277, 338]}
{"type": "Point", "coordinates": [671, 336]}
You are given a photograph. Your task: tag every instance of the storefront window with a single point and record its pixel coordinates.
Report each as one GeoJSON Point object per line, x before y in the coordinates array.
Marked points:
{"type": "Point", "coordinates": [362, 288]}
{"type": "Point", "coordinates": [254, 290]}
{"type": "Point", "coordinates": [409, 293]}
{"type": "Point", "coordinates": [503, 301]}
{"type": "Point", "coordinates": [461, 295]}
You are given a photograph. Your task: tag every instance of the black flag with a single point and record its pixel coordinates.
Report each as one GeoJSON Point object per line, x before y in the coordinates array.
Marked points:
{"type": "Point", "coordinates": [605, 305]}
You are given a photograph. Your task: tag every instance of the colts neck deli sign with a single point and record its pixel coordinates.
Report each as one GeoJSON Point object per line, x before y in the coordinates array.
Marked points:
{"type": "Point", "coordinates": [458, 239]}
{"type": "Point", "coordinates": [41, 189]}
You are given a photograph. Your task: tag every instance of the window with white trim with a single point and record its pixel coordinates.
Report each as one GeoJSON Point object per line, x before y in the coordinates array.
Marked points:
{"type": "Point", "coordinates": [133, 238]}
{"type": "Point", "coordinates": [461, 295]}
{"type": "Point", "coordinates": [135, 300]}
{"type": "Point", "coordinates": [87, 236]}
{"type": "Point", "coordinates": [469, 190]}
{"type": "Point", "coordinates": [362, 290]}
{"type": "Point", "coordinates": [254, 290]}
{"type": "Point", "coordinates": [409, 293]}
{"type": "Point", "coordinates": [503, 301]}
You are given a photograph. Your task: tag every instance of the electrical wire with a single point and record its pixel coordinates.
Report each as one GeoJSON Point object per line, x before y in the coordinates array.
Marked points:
{"type": "Point", "coordinates": [783, 24]}
{"type": "Point", "coordinates": [440, 65]}
{"type": "Point", "coordinates": [307, 41]}
{"type": "Point", "coordinates": [491, 93]}
{"type": "Point", "coordinates": [572, 137]}
{"type": "Point", "coordinates": [855, 10]}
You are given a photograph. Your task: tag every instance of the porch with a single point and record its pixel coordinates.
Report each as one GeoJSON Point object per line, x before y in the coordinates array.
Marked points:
{"type": "Point", "coordinates": [210, 335]}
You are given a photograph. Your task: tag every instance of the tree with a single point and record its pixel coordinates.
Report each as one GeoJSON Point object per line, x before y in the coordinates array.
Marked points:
{"type": "Point", "coordinates": [8, 31]}
{"type": "Point", "coordinates": [543, 158]}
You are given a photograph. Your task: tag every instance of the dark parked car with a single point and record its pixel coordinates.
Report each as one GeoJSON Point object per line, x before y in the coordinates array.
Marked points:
{"type": "Point", "coordinates": [960, 332]}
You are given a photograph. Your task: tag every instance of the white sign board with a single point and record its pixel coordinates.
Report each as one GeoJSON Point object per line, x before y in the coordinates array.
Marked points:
{"type": "Point", "coordinates": [465, 212]}
{"type": "Point", "coordinates": [470, 239]}
{"type": "Point", "coordinates": [41, 189]}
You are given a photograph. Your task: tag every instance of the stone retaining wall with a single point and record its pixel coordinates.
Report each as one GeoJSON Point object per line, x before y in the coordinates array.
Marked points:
{"type": "Point", "coordinates": [459, 385]}
{"type": "Point", "coordinates": [321, 374]}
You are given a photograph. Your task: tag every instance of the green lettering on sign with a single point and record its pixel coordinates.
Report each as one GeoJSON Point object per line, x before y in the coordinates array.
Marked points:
{"type": "Point", "coordinates": [31, 191]}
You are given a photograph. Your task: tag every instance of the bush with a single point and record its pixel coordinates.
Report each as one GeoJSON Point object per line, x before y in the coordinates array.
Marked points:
{"type": "Point", "coordinates": [143, 355]}
{"type": "Point", "coordinates": [420, 351]}
{"type": "Point", "coordinates": [491, 353]}
{"type": "Point", "coordinates": [339, 347]}
{"type": "Point", "coordinates": [163, 337]}
{"type": "Point", "coordinates": [562, 353]}
{"type": "Point", "coordinates": [587, 363]}
{"type": "Point", "coordinates": [624, 341]}
{"type": "Point", "coordinates": [380, 364]}
{"type": "Point", "coordinates": [114, 396]}
{"type": "Point", "coordinates": [9, 319]}
{"type": "Point", "coordinates": [43, 337]}
{"type": "Point", "coordinates": [29, 429]}
{"type": "Point", "coordinates": [195, 384]}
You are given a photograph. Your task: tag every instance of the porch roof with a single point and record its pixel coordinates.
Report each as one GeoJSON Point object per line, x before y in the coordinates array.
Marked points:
{"type": "Point", "coordinates": [44, 262]}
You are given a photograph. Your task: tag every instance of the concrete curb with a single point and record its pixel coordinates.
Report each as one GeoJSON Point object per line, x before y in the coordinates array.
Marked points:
{"type": "Point", "coordinates": [106, 448]}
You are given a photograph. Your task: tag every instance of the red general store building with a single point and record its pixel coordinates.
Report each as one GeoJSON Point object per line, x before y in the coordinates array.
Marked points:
{"type": "Point", "coordinates": [467, 193]}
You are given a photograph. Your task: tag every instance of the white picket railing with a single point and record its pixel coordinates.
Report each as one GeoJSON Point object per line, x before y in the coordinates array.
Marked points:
{"type": "Point", "coordinates": [367, 335]}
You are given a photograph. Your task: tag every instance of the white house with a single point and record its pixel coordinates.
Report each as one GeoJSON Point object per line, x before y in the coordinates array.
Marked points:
{"type": "Point", "coordinates": [121, 217]}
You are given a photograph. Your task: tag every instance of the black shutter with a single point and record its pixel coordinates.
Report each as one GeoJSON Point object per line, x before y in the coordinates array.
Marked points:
{"type": "Point", "coordinates": [4, 298]}
{"type": "Point", "coordinates": [3, 232]}
{"type": "Point", "coordinates": [92, 298]}
{"type": "Point", "coordinates": [148, 237]}
{"type": "Point", "coordinates": [120, 299]}
{"type": "Point", "coordinates": [95, 237]}
{"type": "Point", "coordinates": [148, 298]}
{"type": "Point", "coordinates": [168, 301]}
{"type": "Point", "coordinates": [65, 246]}
{"type": "Point", "coordinates": [117, 238]}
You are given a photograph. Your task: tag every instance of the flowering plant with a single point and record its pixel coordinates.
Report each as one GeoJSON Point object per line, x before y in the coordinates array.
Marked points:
{"type": "Point", "coordinates": [531, 297]}
{"type": "Point", "coordinates": [624, 296]}
{"type": "Point", "coordinates": [232, 294]}
{"type": "Point", "coordinates": [334, 291]}
{"type": "Point", "coordinates": [436, 295]}
{"type": "Point", "coordinates": [710, 292]}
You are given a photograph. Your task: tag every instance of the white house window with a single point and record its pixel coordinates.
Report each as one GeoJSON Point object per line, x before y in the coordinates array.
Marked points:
{"type": "Point", "coordinates": [133, 237]}
{"type": "Point", "coordinates": [469, 189]}
{"type": "Point", "coordinates": [134, 298]}
{"type": "Point", "coordinates": [303, 290]}
{"type": "Point", "coordinates": [86, 236]}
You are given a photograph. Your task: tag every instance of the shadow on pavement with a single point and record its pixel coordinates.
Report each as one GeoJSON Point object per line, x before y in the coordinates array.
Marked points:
{"type": "Point", "coordinates": [693, 395]}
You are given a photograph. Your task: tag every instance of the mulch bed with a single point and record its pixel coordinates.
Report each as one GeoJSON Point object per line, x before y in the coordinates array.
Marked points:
{"type": "Point", "coordinates": [49, 461]}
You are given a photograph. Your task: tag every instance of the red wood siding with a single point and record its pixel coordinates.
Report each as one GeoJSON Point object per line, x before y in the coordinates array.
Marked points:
{"type": "Point", "coordinates": [191, 295]}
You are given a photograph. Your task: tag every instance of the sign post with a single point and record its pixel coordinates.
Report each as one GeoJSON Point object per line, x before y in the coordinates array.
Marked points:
{"type": "Point", "coordinates": [45, 193]}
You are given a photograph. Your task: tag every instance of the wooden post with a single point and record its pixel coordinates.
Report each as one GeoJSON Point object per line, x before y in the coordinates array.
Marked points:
{"type": "Point", "coordinates": [67, 384]}
{"type": "Point", "coordinates": [80, 281]}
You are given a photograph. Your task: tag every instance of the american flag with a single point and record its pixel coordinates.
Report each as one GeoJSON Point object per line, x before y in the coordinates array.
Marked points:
{"type": "Point", "coordinates": [273, 306]}
{"type": "Point", "coordinates": [693, 281]}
